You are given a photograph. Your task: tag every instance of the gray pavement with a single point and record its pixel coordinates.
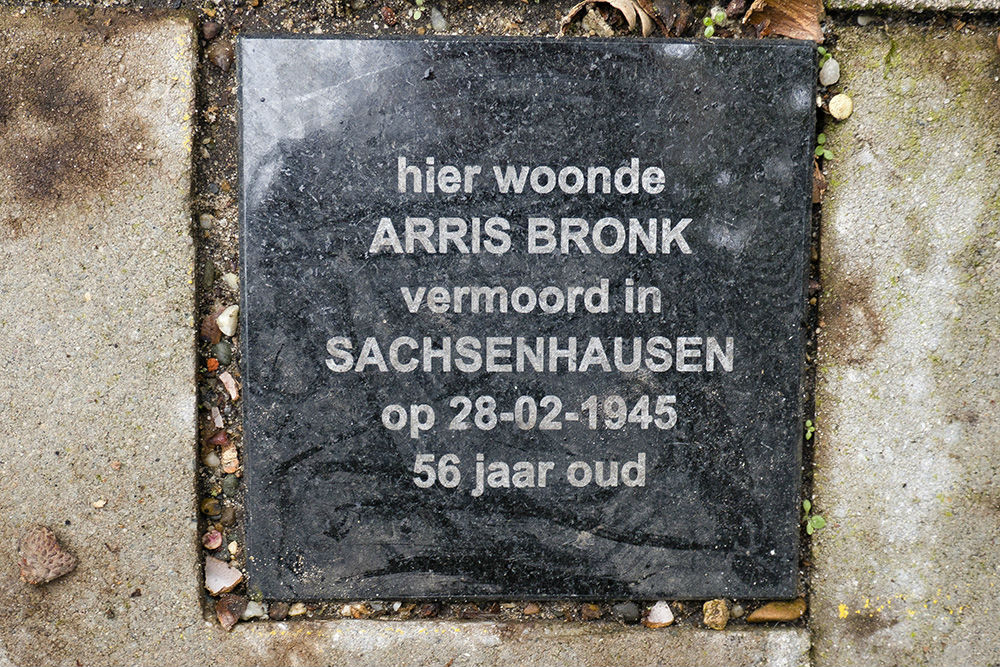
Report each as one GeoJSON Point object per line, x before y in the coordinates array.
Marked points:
{"type": "Point", "coordinates": [957, 6]}
{"type": "Point", "coordinates": [98, 361]}
{"type": "Point", "coordinates": [907, 454]}
{"type": "Point", "coordinates": [97, 339]}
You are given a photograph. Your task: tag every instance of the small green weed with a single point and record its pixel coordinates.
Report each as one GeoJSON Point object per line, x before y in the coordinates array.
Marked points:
{"type": "Point", "coordinates": [821, 149]}
{"type": "Point", "coordinates": [813, 521]}
{"type": "Point", "coordinates": [717, 18]}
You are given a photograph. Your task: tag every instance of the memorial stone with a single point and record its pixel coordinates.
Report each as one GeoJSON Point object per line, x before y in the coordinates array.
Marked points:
{"type": "Point", "coordinates": [524, 318]}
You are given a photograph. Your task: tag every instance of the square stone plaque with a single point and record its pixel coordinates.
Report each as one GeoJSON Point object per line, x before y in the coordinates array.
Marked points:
{"type": "Point", "coordinates": [524, 318]}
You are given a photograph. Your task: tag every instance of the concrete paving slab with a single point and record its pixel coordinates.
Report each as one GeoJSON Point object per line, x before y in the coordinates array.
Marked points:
{"type": "Point", "coordinates": [974, 6]}
{"type": "Point", "coordinates": [488, 644]}
{"type": "Point", "coordinates": [97, 351]}
{"type": "Point", "coordinates": [907, 458]}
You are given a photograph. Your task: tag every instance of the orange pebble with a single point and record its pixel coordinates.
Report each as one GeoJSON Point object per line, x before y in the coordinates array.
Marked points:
{"type": "Point", "coordinates": [212, 364]}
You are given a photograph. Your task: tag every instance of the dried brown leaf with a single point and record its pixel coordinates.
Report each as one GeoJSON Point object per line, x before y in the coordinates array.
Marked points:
{"type": "Point", "coordinates": [210, 331]}
{"type": "Point", "coordinates": [676, 15]}
{"type": "Point", "coordinates": [797, 19]}
{"type": "Point", "coordinates": [647, 23]}
{"type": "Point", "coordinates": [571, 14]}
{"type": "Point", "coordinates": [627, 9]}
{"type": "Point", "coordinates": [631, 10]}
{"type": "Point", "coordinates": [663, 13]}
{"type": "Point", "coordinates": [819, 183]}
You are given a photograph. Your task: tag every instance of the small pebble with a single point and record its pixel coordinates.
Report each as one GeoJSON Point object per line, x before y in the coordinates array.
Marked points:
{"type": "Point", "coordinates": [438, 21]}
{"type": "Point", "coordinates": [42, 558]}
{"type": "Point", "coordinates": [99, 503]}
{"type": "Point", "coordinates": [210, 30]}
{"type": "Point", "coordinates": [716, 614]}
{"type": "Point", "coordinates": [778, 611]}
{"type": "Point", "coordinates": [659, 616]}
{"type": "Point", "coordinates": [829, 74]}
{"type": "Point", "coordinates": [221, 54]}
{"type": "Point", "coordinates": [211, 507]}
{"type": "Point", "coordinates": [628, 612]}
{"type": "Point", "coordinates": [211, 459]}
{"type": "Point", "coordinates": [865, 19]}
{"type": "Point", "coordinates": [737, 611]}
{"type": "Point", "coordinates": [233, 548]}
{"type": "Point", "coordinates": [278, 611]}
{"type": "Point", "coordinates": [232, 281]}
{"type": "Point", "coordinates": [230, 458]}
{"type": "Point", "coordinates": [230, 384]}
{"type": "Point", "coordinates": [205, 220]}
{"type": "Point", "coordinates": [230, 485]}
{"type": "Point", "coordinates": [396, 606]}
{"type": "Point", "coordinates": [228, 320]}
{"type": "Point", "coordinates": [217, 417]}
{"type": "Point", "coordinates": [229, 609]}
{"type": "Point", "coordinates": [223, 351]}
{"type": "Point", "coordinates": [253, 610]}
{"type": "Point", "coordinates": [356, 610]}
{"type": "Point", "coordinates": [218, 439]}
{"type": "Point", "coordinates": [211, 540]}
{"type": "Point", "coordinates": [297, 609]}
{"type": "Point", "coordinates": [228, 516]}
{"type": "Point", "coordinates": [531, 609]}
{"type": "Point", "coordinates": [841, 106]}
{"type": "Point", "coordinates": [220, 577]}
{"type": "Point", "coordinates": [590, 612]}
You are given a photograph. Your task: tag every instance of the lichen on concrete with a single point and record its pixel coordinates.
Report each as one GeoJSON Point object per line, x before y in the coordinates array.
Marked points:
{"type": "Point", "coordinates": [906, 456]}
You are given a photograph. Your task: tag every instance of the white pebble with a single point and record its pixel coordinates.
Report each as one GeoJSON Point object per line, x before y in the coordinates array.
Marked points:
{"type": "Point", "coordinates": [253, 610]}
{"type": "Point", "coordinates": [438, 21]}
{"type": "Point", "coordinates": [297, 609]}
{"type": "Point", "coordinates": [841, 106]}
{"type": "Point", "coordinates": [220, 577]}
{"type": "Point", "coordinates": [865, 19]}
{"type": "Point", "coordinates": [829, 74]}
{"type": "Point", "coordinates": [212, 460]}
{"type": "Point", "coordinates": [206, 220]}
{"type": "Point", "coordinates": [228, 319]}
{"type": "Point", "coordinates": [231, 280]}
{"type": "Point", "coordinates": [659, 615]}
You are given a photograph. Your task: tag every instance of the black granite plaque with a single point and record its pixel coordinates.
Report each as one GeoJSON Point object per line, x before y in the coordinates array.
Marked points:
{"type": "Point", "coordinates": [524, 318]}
